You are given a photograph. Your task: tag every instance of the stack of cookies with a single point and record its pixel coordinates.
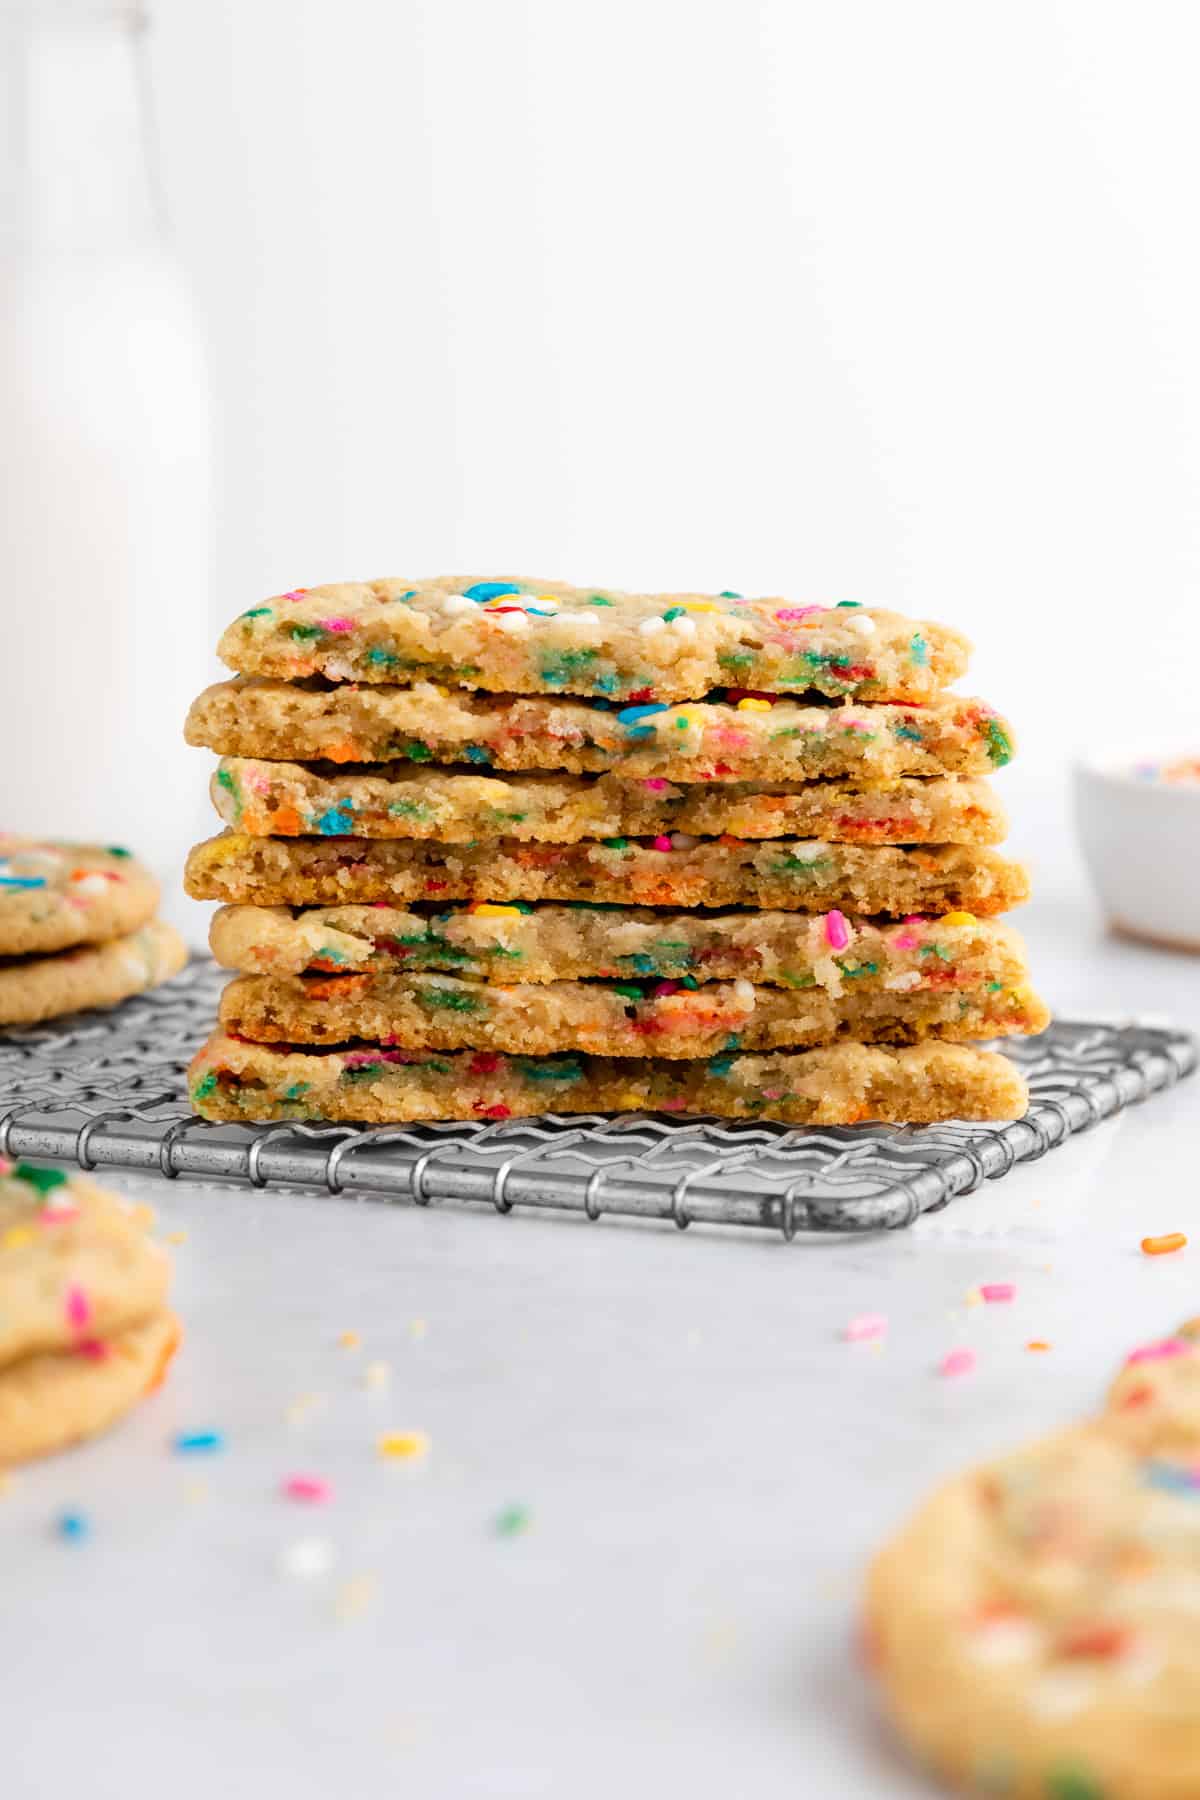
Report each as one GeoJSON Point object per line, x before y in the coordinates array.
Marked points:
{"type": "Point", "coordinates": [77, 929]}
{"type": "Point", "coordinates": [498, 848]}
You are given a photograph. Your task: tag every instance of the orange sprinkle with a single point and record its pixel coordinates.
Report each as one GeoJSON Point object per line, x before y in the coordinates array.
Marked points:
{"type": "Point", "coordinates": [1138, 1396]}
{"type": "Point", "coordinates": [1037, 1344]}
{"type": "Point", "coordinates": [346, 751]}
{"type": "Point", "coordinates": [1096, 1640]}
{"type": "Point", "coordinates": [338, 986]}
{"type": "Point", "coordinates": [1162, 1246]}
{"type": "Point", "coordinates": [287, 822]}
{"type": "Point", "coordinates": [349, 1340]}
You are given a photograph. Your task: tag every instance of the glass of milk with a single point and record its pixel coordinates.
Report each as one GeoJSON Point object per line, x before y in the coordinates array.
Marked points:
{"type": "Point", "coordinates": [104, 455]}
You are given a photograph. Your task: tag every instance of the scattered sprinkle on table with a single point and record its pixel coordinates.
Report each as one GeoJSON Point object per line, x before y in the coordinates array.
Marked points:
{"type": "Point", "coordinates": [1162, 1246]}
{"type": "Point", "coordinates": [349, 1340]}
{"type": "Point", "coordinates": [417, 1328]}
{"type": "Point", "coordinates": [354, 1596]}
{"type": "Point", "coordinates": [511, 1521]}
{"type": "Point", "coordinates": [377, 1375]}
{"type": "Point", "coordinates": [307, 1558]}
{"type": "Point", "coordinates": [994, 1291]}
{"type": "Point", "coordinates": [73, 1527]}
{"type": "Point", "coordinates": [301, 1406]}
{"type": "Point", "coordinates": [198, 1443]}
{"type": "Point", "coordinates": [864, 1326]}
{"type": "Point", "coordinates": [957, 1362]}
{"type": "Point", "coordinates": [1037, 1344]}
{"type": "Point", "coordinates": [177, 1237]}
{"type": "Point", "coordinates": [313, 1489]}
{"type": "Point", "coordinates": [402, 1446]}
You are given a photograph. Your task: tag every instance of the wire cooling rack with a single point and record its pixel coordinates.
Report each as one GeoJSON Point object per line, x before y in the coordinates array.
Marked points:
{"type": "Point", "coordinates": [108, 1089]}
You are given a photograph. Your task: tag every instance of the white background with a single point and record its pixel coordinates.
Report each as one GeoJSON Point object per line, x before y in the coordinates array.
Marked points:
{"type": "Point", "coordinates": [887, 302]}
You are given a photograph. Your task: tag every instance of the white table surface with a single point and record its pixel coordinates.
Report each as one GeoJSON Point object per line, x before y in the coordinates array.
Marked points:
{"type": "Point", "coordinates": [706, 1462]}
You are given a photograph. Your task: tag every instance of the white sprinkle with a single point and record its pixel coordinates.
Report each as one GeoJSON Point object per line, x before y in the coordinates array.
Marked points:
{"type": "Point", "coordinates": [810, 850]}
{"type": "Point", "coordinates": [652, 626]}
{"type": "Point", "coordinates": [588, 619]}
{"type": "Point", "coordinates": [683, 627]}
{"type": "Point", "coordinates": [308, 1558]}
{"type": "Point", "coordinates": [511, 621]}
{"type": "Point", "coordinates": [743, 993]}
{"type": "Point", "coordinates": [458, 603]}
{"type": "Point", "coordinates": [1004, 1641]}
{"type": "Point", "coordinates": [900, 984]}
{"type": "Point", "coordinates": [91, 884]}
{"type": "Point", "coordinates": [860, 623]}
{"type": "Point", "coordinates": [1061, 1694]}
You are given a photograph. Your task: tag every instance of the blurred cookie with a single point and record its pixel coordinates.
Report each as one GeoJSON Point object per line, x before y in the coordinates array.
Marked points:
{"type": "Point", "coordinates": [54, 895]}
{"type": "Point", "coordinates": [33, 988]}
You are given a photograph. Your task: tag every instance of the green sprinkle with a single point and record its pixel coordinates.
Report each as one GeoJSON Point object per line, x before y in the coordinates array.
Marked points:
{"type": "Point", "coordinates": [908, 733]}
{"type": "Point", "coordinates": [205, 1086]}
{"type": "Point", "coordinates": [918, 650]}
{"type": "Point", "coordinates": [116, 850]}
{"type": "Point", "coordinates": [629, 989]}
{"type": "Point", "coordinates": [866, 968]}
{"type": "Point", "coordinates": [1072, 1782]}
{"type": "Point", "coordinates": [674, 612]}
{"type": "Point", "coordinates": [682, 723]}
{"type": "Point", "coordinates": [258, 612]}
{"type": "Point", "coordinates": [381, 658]}
{"type": "Point", "coordinates": [720, 1065]}
{"type": "Point", "coordinates": [615, 843]}
{"type": "Point", "coordinates": [297, 1088]}
{"type": "Point", "coordinates": [225, 780]}
{"type": "Point", "coordinates": [999, 744]}
{"type": "Point", "coordinates": [41, 1179]}
{"type": "Point", "coordinates": [564, 1068]}
{"type": "Point", "coordinates": [304, 634]}
{"type": "Point", "coordinates": [511, 1521]}
{"type": "Point", "coordinates": [599, 600]}
{"type": "Point", "coordinates": [736, 659]}
{"type": "Point", "coordinates": [994, 987]}
{"type": "Point", "coordinates": [449, 1000]}
{"type": "Point", "coordinates": [410, 809]}
{"type": "Point", "coordinates": [843, 604]}
{"type": "Point", "coordinates": [728, 594]}
{"type": "Point", "coordinates": [418, 752]}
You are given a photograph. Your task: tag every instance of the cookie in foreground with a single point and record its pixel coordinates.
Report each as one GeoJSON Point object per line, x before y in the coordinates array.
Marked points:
{"type": "Point", "coordinates": [1034, 1626]}
{"type": "Point", "coordinates": [85, 1330]}
{"type": "Point", "coordinates": [783, 874]}
{"type": "Point", "coordinates": [518, 636]}
{"type": "Point", "coordinates": [54, 895]}
{"type": "Point", "coordinates": [847, 1084]}
{"type": "Point", "coordinates": [623, 1018]}
{"type": "Point", "coordinates": [522, 941]}
{"type": "Point", "coordinates": [33, 988]}
{"type": "Point", "coordinates": [385, 800]}
{"type": "Point", "coordinates": [728, 735]}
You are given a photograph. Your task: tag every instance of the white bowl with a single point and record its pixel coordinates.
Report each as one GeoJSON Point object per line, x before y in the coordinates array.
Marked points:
{"type": "Point", "coordinates": [1141, 843]}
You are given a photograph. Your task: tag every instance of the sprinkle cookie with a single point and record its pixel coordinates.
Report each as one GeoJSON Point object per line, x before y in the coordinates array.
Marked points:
{"type": "Point", "coordinates": [516, 636]}
{"type": "Point", "coordinates": [55, 895]}
{"type": "Point", "coordinates": [33, 988]}
{"type": "Point", "coordinates": [1034, 1626]}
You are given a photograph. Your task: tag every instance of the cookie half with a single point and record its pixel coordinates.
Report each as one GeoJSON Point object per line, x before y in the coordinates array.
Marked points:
{"type": "Point", "coordinates": [55, 1399]}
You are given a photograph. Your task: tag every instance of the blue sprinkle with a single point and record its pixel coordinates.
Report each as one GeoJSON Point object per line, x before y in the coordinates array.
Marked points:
{"type": "Point", "coordinates": [477, 753]}
{"type": "Point", "coordinates": [73, 1526]}
{"type": "Point", "coordinates": [191, 1443]}
{"type": "Point", "coordinates": [338, 821]}
{"type": "Point", "coordinates": [720, 1065]}
{"type": "Point", "coordinates": [1169, 1478]}
{"type": "Point", "coordinates": [629, 715]}
{"type": "Point", "coordinates": [490, 590]}
{"type": "Point", "coordinates": [22, 881]}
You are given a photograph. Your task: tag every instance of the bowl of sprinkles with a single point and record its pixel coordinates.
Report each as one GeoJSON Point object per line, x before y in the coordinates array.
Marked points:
{"type": "Point", "coordinates": [1138, 818]}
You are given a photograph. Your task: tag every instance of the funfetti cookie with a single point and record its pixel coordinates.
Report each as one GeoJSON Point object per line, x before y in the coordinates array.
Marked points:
{"type": "Point", "coordinates": [33, 988]}
{"type": "Point", "coordinates": [85, 1329]}
{"type": "Point", "coordinates": [54, 895]}
{"type": "Point", "coordinates": [517, 636]}
{"type": "Point", "coordinates": [287, 799]}
{"type": "Point", "coordinates": [1036, 1626]}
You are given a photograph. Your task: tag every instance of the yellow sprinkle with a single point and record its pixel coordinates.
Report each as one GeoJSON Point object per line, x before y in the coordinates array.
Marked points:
{"type": "Point", "coordinates": [632, 1100]}
{"type": "Point", "coordinates": [16, 1238]}
{"type": "Point", "coordinates": [417, 1328]}
{"type": "Point", "coordinates": [403, 1446]}
{"type": "Point", "coordinates": [701, 605]}
{"type": "Point", "coordinates": [143, 1215]}
{"type": "Point", "coordinates": [750, 705]}
{"type": "Point", "coordinates": [196, 1492]}
{"type": "Point", "coordinates": [177, 1237]}
{"type": "Point", "coordinates": [443, 691]}
{"type": "Point", "coordinates": [487, 909]}
{"type": "Point", "coordinates": [377, 1374]}
{"type": "Point", "coordinates": [301, 1406]}
{"type": "Point", "coordinates": [974, 1297]}
{"type": "Point", "coordinates": [349, 1340]}
{"type": "Point", "coordinates": [960, 918]}
{"type": "Point", "coordinates": [354, 1597]}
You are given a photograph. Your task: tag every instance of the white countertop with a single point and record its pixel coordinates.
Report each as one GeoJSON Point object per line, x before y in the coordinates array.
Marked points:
{"type": "Point", "coordinates": [705, 1461]}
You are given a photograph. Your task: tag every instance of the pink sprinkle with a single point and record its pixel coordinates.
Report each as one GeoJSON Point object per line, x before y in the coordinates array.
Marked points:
{"type": "Point", "coordinates": [78, 1307]}
{"type": "Point", "coordinates": [673, 1106]}
{"type": "Point", "coordinates": [1159, 1352]}
{"type": "Point", "coordinates": [50, 1214]}
{"type": "Point", "coordinates": [997, 1290]}
{"type": "Point", "coordinates": [6, 1168]}
{"type": "Point", "coordinates": [865, 1325]}
{"type": "Point", "coordinates": [789, 614]}
{"type": "Point", "coordinates": [907, 940]}
{"type": "Point", "coordinates": [957, 1362]}
{"type": "Point", "coordinates": [662, 843]}
{"type": "Point", "coordinates": [655, 783]}
{"type": "Point", "coordinates": [312, 1488]}
{"type": "Point", "coordinates": [295, 593]}
{"type": "Point", "coordinates": [95, 1349]}
{"type": "Point", "coordinates": [662, 988]}
{"type": "Point", "coordinates": [837, 932]}
{"type": "Point", "coordinates": [336, 624]}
